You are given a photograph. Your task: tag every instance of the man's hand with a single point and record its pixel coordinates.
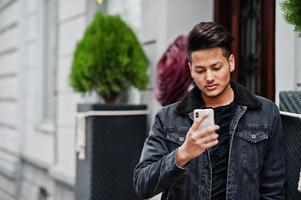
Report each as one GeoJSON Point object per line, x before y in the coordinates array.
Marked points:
{"type": "Point", "coordinates": [197, 141]}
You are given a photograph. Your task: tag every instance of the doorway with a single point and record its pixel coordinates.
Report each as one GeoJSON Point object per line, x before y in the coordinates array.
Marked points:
{"type": "Point", "coordinates": [252, 23]}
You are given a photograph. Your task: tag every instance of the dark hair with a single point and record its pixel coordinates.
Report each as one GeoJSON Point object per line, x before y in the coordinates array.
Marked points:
{"type": "Point", "coordinates": [207, 35]}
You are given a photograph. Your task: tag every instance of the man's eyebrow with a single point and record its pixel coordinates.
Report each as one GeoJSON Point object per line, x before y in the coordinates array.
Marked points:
{"type": "Point", "coordinates": [216, 63]}
{"type": "Point", "coordinates": [199, 66]}
{"type": "Point", "coordinates": [212, 65]}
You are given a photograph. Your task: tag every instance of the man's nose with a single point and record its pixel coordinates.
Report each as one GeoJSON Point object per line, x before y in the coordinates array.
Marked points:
{"type": "Point", "coordinates": [209, 76]}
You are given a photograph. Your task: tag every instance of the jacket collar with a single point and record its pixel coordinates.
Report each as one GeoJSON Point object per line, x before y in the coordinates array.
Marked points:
{"type": "Point", "coordinates": [242, 96]}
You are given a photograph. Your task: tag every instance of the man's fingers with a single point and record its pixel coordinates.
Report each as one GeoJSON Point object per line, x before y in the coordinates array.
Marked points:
{"type": "Point", "coordinates": [207, 139]}
{"type": "Point", "coordinates": [210, 144]}
{"type": "Point", "coordinates": [208, 130]}
{"type": "Point", "coordinates": [196, 124]}
{"type": "Point", "coordinates": [210, 137]}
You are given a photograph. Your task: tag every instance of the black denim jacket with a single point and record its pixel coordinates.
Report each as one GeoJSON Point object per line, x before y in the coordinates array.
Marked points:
{"type": "Point", "coordinates": [256, 168]}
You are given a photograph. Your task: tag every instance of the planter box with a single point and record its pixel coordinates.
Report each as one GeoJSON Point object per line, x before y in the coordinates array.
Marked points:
{"type": "Point", "coordinates": [114, 137]}
{"type": "Point", "coordinates": [290, 101]}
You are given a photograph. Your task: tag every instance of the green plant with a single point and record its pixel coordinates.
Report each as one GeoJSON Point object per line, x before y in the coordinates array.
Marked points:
{"type": "Point", "coordinates": [108, 59]}
{"type": "Point", "coordinates": [292, 13]}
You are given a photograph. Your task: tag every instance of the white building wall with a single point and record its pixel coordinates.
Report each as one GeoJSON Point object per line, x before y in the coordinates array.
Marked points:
{"type": "Point", "coordinates": [49, 156]}
{"type": "Point", "coordinates": [287, 55]}
{"type": "Point", "coordinates": [36, 138]}
{"type": "Point", "coordinates": [9, 57]}
{"type": "Point", "coordinates": [71, 25]}
{"type": "Point", "coordinates": [10, 50]}
{"type": "Point", "coordinates": [298, 62]}
{"type": "Point", "coordinates": [46, 150]}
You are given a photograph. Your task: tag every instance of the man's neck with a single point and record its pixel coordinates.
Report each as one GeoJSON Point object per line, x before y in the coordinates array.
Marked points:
{"type": "Point", "coordinates": [225, 98]}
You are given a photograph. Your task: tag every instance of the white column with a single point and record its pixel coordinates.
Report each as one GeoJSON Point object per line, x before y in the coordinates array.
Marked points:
{"type": "Point", "coordinates": [284, 54]}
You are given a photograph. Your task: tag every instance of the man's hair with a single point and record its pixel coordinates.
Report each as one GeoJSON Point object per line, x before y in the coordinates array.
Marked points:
{"type": "Point", "coordinates": [207, 35]}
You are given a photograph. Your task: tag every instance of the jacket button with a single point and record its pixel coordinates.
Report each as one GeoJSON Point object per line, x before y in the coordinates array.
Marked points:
{"type": "Point", "coordinates": [253, 136]}
{"type": "Point", "coordinates": [181, 139]}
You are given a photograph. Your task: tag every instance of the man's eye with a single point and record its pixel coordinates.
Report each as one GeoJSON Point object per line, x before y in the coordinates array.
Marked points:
{"type": "Point", "coordinates": [199, 71]}
{"type": "Point", "coordinates": [217, 68]}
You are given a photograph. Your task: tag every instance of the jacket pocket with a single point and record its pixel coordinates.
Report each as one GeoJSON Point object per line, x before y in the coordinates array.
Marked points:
{"type": "Point", "coordinates": [250, 147]}
{"type": "Point", "coordinates": [176, 137]}
{"type": "Point", "coordinates": [253, 137]}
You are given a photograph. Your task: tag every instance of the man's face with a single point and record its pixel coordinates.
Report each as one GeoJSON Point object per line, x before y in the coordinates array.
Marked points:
{"type": "Point", "coordinates": [210, 70]}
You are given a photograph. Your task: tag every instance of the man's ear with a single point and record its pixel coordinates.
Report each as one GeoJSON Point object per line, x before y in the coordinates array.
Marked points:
{"type": "Point", "coordinates": [232, 62]}
{"type": "Point", "coordinates": [190, 67]}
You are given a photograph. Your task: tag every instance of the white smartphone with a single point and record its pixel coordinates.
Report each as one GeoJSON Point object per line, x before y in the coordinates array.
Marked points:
{"type": "Point", "coordinates": [209, 120]}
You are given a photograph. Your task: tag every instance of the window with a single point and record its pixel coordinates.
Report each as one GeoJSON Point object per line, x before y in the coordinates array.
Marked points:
{"type": "Point", "coordinates": [249, 72]}
{"type": "Point", "coordinates": [49, 61]}
{"type": "Point", "coordinates": [252, 23]}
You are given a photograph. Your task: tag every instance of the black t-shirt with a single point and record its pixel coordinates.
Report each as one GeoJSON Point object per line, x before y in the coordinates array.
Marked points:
{"type": "Point", "coordinates": [219, 154]}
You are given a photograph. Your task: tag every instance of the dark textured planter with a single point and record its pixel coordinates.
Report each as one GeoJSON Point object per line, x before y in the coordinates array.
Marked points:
{"type": "Point", "coordinates": [114, 141]}
{"type": "Point", "coordinates": [290, 101]}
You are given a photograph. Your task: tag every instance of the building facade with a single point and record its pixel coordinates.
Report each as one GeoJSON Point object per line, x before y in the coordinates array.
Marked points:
{"type": "Point", "coordinates": [37, 105]}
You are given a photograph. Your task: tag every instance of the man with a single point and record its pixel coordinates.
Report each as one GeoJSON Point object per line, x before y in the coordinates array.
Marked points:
{"type": "Point", "coordinates": [239, 158]}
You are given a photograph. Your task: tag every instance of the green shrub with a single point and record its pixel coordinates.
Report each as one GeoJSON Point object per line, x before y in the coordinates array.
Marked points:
{"type": "Point", "coordinates": [108, 59]}
{"type": "Point", "coordinates": [292, 13]}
